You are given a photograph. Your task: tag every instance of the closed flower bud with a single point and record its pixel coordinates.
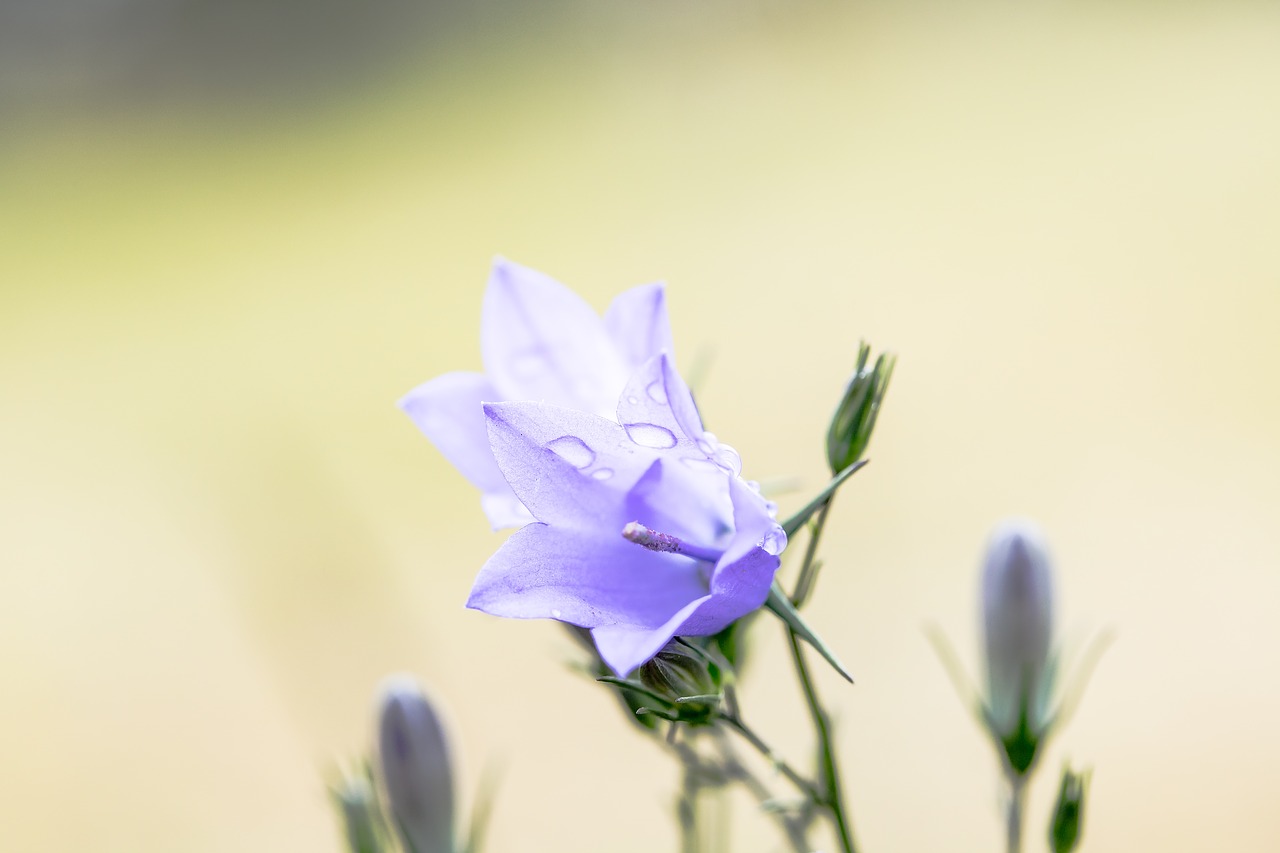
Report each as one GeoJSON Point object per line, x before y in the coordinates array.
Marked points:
{"type": "Point", "coordinates": [1017, 611]}
{"type": "Point", "coordinates": [855, 417]}
{"type": "Point", "coordinates": [359, 807]}
{"type": "Point", "coordinates": [679, 672]}
{"type": "Point", "coordinates": [414, 759]}
{"type": "Point", "coordinates": [1068, 815]}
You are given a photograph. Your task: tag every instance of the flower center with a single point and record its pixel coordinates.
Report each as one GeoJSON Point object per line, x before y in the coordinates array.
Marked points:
{"type": "Point", "coordinates": [666, 543]}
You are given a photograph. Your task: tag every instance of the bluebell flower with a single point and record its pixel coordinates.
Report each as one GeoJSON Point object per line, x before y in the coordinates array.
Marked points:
{"type": "Point", "coordinates": [644, 529]}
{"type": "Point", "coordinates": [539, 341]}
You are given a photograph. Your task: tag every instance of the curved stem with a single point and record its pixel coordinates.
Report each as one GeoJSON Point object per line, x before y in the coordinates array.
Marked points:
{"type": "Point", "coordinates": [806, 787]}
{"type": "Point", "coordinates": [832, 797]}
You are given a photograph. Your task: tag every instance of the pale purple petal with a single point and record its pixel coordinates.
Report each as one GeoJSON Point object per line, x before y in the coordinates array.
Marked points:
{"type": "Point", "coordinates": [541, 341]}
{"type": "Point", "coordinates": [568, 467]}
{"type": "Point", "coordinates": [503, 509]}
{"type": "Point", "coordinates": [685, 497]}
{"type": "Point", "coordinates": [625, 647]}
{"type": "Point", "coordinates": [637, 322]}
{"type": "Point", "coordinates": [545, 572]}
{"type": "Point", "coordinates": [655, 394]}
{"type": "Point", "coordinates": [448, 410]}
{"type": "Point", "coordinates": [742, 577]}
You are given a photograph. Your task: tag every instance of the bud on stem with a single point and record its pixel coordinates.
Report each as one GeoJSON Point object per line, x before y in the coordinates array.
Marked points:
{"type": "Point", "coordinates": [414, 759]}
{"type": "Point", "coordinates": [1068, 814]}
{"type": "Point", "coordinates": [1017, 617]}
{"type": "Point", "coordinates": [855, 417]}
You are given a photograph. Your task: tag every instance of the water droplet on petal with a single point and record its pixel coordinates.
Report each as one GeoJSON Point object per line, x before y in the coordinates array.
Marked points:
{"type": "Point", "coordinates": [698, 463]}
{"type": "Point", "coordinates": [651, 435]}
{"type": "Point", "coordinates": [774, 541]}
{"type": "Point", "coordinates": [633, 399]}
{"type": "Point", "coordinates": [602, 473]}
{"type": "Point", "coordinates": [753, 486]}
{"type": "Point", "coordinates": [657, 392]}
{"type": "Point", "coordinates": [573, 450]}
{"type": "Point", "coordinates": [729, 459]}
{"type": "Point", "coordinates": [555, 614]}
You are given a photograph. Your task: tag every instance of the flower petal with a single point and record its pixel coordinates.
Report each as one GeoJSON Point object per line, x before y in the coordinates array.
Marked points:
{"type": "Point", "coordinates": [637, 321]}
{"type": "Point", "coordinates": [742, 576]}
{"type": "Point", "coordinates": [655, 394]}
{"type": "Point", "coordinates": [686, 498]}
{"type": "Point", "coordinates": [541, 341]}
{"type": "Point", "coordinates": [568, 467]}
{"type": "Point", "coordinates": [448, 410]}
{"type": "Point", "coordinates": [585, 579]}
{"type": "Point", "coordinates": [625, 647]}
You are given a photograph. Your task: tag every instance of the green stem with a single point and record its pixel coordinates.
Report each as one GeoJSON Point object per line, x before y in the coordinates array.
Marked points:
{"type": "Point", "coordinates": [1017, 788]}
{"type": "Point", "coordinates": [832, 797]}
{"type": "Point", "coordinates": [808, 570]}
{"type": "Point", "coordinates": [806, 787]}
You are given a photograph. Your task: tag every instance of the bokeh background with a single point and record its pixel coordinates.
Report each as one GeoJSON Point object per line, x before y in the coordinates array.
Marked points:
{"type": "Point", "coordinates": [233, 234]}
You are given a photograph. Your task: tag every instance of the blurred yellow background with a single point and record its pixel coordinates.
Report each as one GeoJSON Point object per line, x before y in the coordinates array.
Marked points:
{"type": "Point", "coordinates": [217, 533]}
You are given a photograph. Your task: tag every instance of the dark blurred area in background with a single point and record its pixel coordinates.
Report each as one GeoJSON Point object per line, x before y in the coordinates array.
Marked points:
{"type": "Point", "coordinates": [95, 52]}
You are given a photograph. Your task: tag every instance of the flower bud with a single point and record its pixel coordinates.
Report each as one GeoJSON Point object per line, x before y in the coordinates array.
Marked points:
{"type": "Point", "coordinates": [1068, 815]}
{"type": "Point", "coordinates": [678, 672]}
{"type": "Point", "coordinates": [414, 760]}
{"type": "Point", "coordinates": [359, 805]}
{"type": "Point", "coordinates": [855, 417]}
{"type": "Point", "coordinates": [1017, 611]}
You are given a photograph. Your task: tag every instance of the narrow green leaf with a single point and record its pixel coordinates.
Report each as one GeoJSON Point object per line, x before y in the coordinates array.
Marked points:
{"type": "Point", "coordinates": [793, 524]}
{"type": "Point", "coordinates": [781, 606]}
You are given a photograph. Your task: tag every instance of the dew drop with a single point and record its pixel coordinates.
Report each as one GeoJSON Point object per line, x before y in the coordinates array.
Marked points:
{"type": "Point", "coordinates": [573, 450]}
{"type": "Point", "coordinates": [729, 459]}
{"type": "Point", "coordinates": [774, 541]}
{"type": "Point", "coordinates": [753, 486]}
{"type": "Point", "coordinates": [555, 614]}
{"type": "Point", "coordinates": [657, 392]}
{"type": "Point", "coordinates": [698, 463]}
{"type": "Point", "coordinates": [651, 435]}
{"type": "Point", "coordinates": [602, 473]}
{"type": "Point", "coordinates": [633, 399]}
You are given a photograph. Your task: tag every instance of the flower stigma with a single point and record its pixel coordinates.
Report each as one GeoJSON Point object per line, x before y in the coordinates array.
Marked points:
{"type": "Point", "coordinates": [666, 543]}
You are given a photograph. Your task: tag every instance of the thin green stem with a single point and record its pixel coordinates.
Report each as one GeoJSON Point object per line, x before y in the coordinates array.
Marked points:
{"type": "Point", "coordinates": [832, 797]}
{"type": "Point", "coordinates": [1017, 789]}
{"type": "Point", "coordinates": [806, 787]}
{"type": "Point", "coordinates": [808, 567]}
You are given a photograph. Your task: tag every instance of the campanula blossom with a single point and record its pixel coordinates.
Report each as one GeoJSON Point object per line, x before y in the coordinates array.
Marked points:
{"type": "Point", "coordinates": [644, 529]}
{"type": "Point", "coordinates": [539, 341]}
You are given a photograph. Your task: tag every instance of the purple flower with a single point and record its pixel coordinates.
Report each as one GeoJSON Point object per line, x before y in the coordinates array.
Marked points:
{"type": "Point", "coordinates": [644, 529]}
{"type": "Point", "coordinates": [539, 341]}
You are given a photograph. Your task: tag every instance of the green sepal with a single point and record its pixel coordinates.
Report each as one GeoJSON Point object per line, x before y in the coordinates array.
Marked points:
{"type": "Point", "coordinates": [780, 605]}
{"type": "Point", "coordinates": [793, 524]}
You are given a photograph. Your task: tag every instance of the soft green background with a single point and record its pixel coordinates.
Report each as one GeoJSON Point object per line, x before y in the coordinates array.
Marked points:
{"type": "Point", "coordinates": [217, 533]}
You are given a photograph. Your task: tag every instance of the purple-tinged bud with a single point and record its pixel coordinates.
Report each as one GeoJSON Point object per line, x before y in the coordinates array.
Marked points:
{"type": "Point", "coordinates": [1068, 814]}
{"type": "Point", "coordinates": [413, 756]}
{"type": "Point", "coordinates": [1017, 618]}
